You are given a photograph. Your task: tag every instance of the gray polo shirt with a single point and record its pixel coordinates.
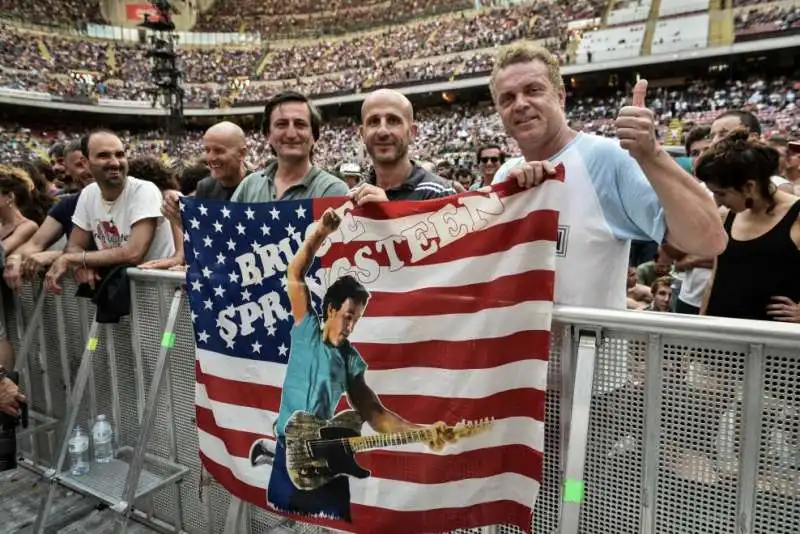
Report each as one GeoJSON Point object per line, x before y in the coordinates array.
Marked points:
{"type": "Point", "coordinates": [260, 186]}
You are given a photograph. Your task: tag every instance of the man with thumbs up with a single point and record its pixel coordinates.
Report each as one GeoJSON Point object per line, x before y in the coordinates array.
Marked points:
{"type": "Point", "coordinates": [615, 190]}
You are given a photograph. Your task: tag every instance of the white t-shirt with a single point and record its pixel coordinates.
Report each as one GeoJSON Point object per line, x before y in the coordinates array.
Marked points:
{"type": "Point", "coordinates": [778, 181]}
{"type": "Point", "coordinates": [112, 227]}
{"type": "Point", "coordinates": [694, 285]}
{"type": "Point", "coordinates": [608, 202]}
{"type": "Point", "coordinates": [696, 279]}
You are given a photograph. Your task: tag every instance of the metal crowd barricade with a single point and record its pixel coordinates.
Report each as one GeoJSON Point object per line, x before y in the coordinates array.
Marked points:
{"type": "Point", "coordinates": [655, 423]}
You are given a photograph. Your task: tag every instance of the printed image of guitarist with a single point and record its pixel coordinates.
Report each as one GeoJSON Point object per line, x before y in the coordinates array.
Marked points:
{"type": "Point", "coordinates": [322, 366]}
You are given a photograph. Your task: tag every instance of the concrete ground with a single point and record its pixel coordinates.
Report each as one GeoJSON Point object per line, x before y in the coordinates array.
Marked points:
{"type": "Point", "coordinates": [21, 493]}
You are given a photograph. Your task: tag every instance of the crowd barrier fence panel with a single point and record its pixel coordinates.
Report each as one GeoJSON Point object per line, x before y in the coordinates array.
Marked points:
{"type": "Point", "coordinates": [694, 426]}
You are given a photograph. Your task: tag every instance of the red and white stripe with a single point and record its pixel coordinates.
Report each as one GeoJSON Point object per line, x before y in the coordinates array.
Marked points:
{"type": "Point", "coordinates": [460, 335]}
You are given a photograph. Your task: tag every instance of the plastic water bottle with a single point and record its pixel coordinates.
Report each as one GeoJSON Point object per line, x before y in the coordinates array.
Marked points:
{"type": "Point", "coordinates": [79, 452]}
{"type": "Point", "coordinates": [103, 434]}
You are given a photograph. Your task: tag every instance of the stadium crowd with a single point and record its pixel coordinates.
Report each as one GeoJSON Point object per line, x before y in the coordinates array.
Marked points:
{"type": "Point", "coordinates": [52, 12]}
{"type": "Point", "coordinates": [399, 54]}
{"type": "Point", "coordinates": [449, 138]}
{"type": "Point", "coordinates": [402, 54]}
{"type": "Point", "coordinates": [459, 146]}
{"type": "Point", "coordinates": [472, 145]}
{"type": "Point", "coordinates": [452, 133]}
{"type": "Point", "coordinates": [487, 29]}
{"type": "Point", "coordinates": [765, 19]}
{"type": "Point", "coordinates": [302, 17]}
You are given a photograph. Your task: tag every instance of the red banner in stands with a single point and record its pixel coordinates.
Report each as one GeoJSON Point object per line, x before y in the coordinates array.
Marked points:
{"type": "Point", "coordinates": [137, 12]}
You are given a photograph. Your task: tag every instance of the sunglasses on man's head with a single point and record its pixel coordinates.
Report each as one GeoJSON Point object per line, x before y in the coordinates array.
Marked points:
{"type": "Point", "coordinates": [492, 159]}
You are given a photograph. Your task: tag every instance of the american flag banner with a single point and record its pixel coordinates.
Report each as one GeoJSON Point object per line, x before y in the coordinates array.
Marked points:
{"type": "Point", "coordinates": [378, 368]}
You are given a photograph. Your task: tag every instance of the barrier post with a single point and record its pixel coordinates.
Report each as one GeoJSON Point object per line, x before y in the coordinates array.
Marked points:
{"type": "Point", "coordinates": [652, 431]}
{"type": "Point", "coordinates": [573, 488]}
{"type": "Point", "coordinates": [753, 400]}
{"type": "Point", "coordinates": [137, 462]}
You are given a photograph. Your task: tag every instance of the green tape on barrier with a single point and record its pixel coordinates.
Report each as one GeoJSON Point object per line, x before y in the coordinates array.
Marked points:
{"type": "Point", "coordinates": [573, 491]}
{"type": "Point", "coordinates": [92, 344]}
{"type": "Point", "coordinates": [168, 340]}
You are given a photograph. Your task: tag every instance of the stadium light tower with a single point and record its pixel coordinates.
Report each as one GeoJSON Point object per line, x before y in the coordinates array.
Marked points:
{"type": "Point", "coordinates": [165, 70]}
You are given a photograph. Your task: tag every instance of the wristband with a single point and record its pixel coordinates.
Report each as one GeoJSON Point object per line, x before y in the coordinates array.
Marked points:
{"type": "Point", "coordinates": [83, 260]}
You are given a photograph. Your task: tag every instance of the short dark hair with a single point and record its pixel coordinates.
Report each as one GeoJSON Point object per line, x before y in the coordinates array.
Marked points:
{"type": "Point", "coordinates": [696, 134]}
{"type": "Point", "coordinates": [737, 158]}
{"type": "Point", "coordinates": [56, 151]}
{"type": "Point", "coordinates": [152, 169]}
{"type": "Point", "coordinates": [73, 146]}
{"type": "Point", "coordinates": [86, 138]}
{"type": "Point", "coordinates": [489, 147]}
{"type": "Point", "coordinates": [747, 119]}
{"type": "Point", "coordinates": [342, 289]}
{"type": "Point", "coordinates": [191, 176]}
{"type": "Point", "coordinates": [292, 96]}
{"type": "Point", "coordinates": [462, 171]}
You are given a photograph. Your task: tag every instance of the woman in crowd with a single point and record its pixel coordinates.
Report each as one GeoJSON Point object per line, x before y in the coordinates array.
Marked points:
{"type": "Point", "coordinates": [16, 188]}
{"type": "Point", "coordinates": [756, 277]}
{"type": "Point", "coordinates": [41, 198]}
{"type": "Point", "coordinates": [17, 207]}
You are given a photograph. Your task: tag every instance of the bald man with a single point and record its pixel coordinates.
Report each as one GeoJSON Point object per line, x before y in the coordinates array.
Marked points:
{"type": "Point", "coordinates": [387, 129]}
{"type": "Point", "coordinates": [225, 149]}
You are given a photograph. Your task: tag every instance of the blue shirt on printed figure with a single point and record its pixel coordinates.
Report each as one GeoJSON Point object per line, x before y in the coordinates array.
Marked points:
{"type": "Point", "coordinates": [317, 373]}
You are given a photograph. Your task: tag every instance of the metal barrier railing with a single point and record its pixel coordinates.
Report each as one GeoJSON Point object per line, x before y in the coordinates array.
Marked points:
{"type": "Point", "coordinates": [691, 424]}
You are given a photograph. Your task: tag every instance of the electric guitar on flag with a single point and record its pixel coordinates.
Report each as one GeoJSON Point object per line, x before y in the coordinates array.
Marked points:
{"type": "Point", "coordinates": [317, 451]}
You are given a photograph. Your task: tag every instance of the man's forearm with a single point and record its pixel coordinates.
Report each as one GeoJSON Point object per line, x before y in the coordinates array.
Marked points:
{"type": "Point", "coordinates": [27, 249]}
{"type": "Point", "coordinates": [386, 421]}
{"type": "Point", "coordinates": [124, 255]}
{"type": "Point", "coordinates": [698, 262]}
{"type": "Point", "coordinates": [693, 222]}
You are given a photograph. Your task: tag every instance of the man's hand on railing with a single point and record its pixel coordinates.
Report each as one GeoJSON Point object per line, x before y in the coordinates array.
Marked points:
{"type": "Point", "coordinates": [40, 261]}
{"type": "Point", "coordinates": [784, 309]}
{"type": "Point", "coordinates": [86, 275]}
{"type": "Point", "coordinates": [162, 264]}
{"type": "Point", "coordinates": [52, 280]}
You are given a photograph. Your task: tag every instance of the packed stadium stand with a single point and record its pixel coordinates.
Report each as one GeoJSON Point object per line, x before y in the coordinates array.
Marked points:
{"type": "Point", "coordinates": [319, 18]}
{"type": "Point", "coordinates": [439, 48]}
{"type": "Point", "coordinates": [52, 12]}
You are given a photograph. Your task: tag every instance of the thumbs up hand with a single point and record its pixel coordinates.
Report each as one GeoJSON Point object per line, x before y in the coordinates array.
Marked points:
{"type": "Point", "coordinates": [636, 126]}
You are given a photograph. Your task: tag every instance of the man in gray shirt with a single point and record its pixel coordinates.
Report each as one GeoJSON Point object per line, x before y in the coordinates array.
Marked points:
{"type": "Point", "coordinates": [291, 125]}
